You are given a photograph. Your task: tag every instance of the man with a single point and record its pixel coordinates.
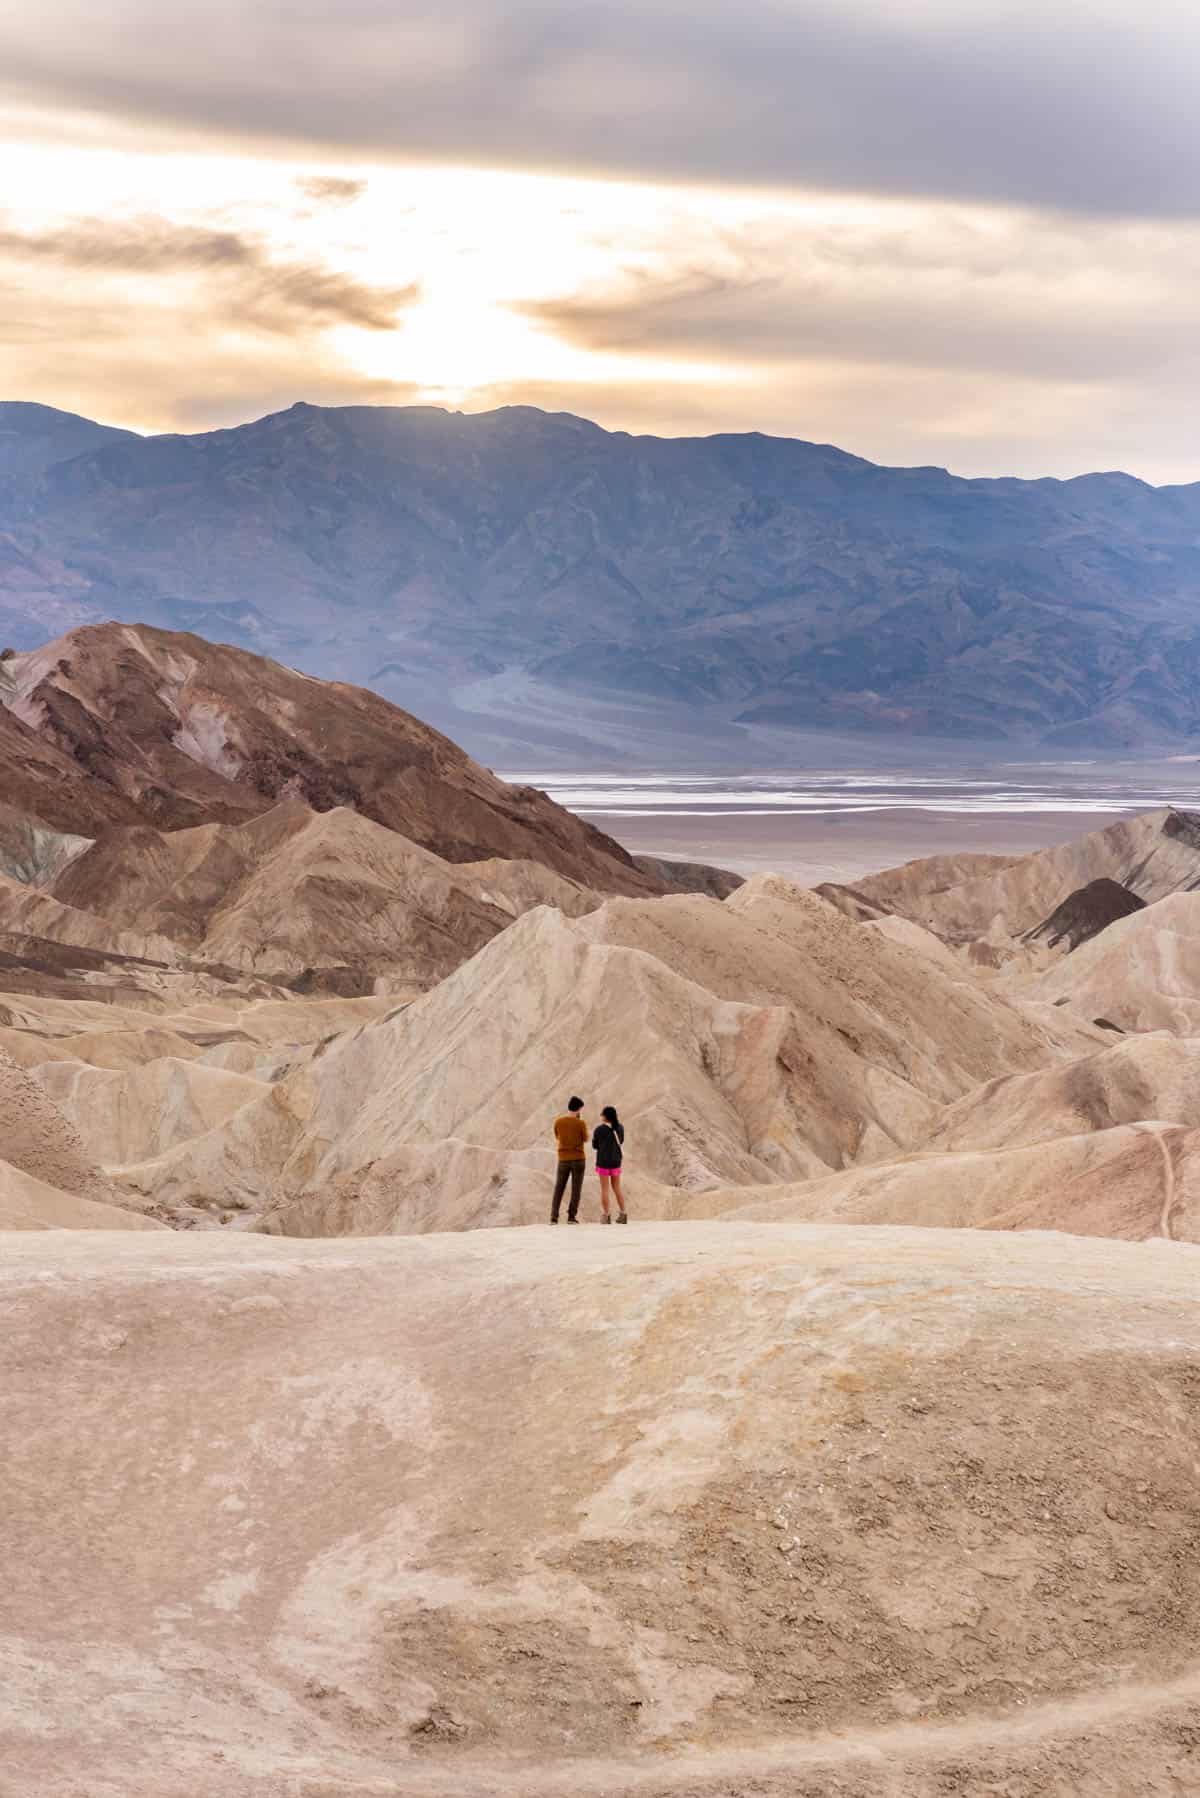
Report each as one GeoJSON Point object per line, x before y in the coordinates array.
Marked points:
{"type": "Point", "coordinates": [570, 1136]}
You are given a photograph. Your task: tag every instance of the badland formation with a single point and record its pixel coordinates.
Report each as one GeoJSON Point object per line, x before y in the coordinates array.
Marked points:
{"type": "Point", "coordinates": [862, 1466]}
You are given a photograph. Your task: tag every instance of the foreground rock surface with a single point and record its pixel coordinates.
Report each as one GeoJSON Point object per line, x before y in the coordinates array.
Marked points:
{"type": "Point", "coordinates": [703, 1509]}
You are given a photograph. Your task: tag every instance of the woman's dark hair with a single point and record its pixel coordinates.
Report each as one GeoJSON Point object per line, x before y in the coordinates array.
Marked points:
{"type": "Point", "coordinates": [609, 1114]}
{"type": "Point", "coordinates": [574, 1104]}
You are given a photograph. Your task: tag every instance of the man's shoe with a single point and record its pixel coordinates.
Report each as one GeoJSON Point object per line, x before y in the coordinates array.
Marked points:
{"type": "Point", "coordinates": [572, 1220]}
{"type": "Point", "coordinates": [622, 1218]}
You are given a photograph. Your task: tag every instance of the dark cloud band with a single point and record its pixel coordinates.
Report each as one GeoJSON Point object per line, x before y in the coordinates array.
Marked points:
{"type": "Point", "coordinates": [1085, 105]}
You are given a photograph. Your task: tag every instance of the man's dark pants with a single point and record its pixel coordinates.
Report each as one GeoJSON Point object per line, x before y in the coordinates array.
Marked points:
{"type": "Point", "coordinates": [574, 1170]}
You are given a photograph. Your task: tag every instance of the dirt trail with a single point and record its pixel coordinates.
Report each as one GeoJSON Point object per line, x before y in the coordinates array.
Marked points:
{"type": "Point", "coordinates": [989, 1754]}
{"type": "Point", "coordinates": [1168, 1204]}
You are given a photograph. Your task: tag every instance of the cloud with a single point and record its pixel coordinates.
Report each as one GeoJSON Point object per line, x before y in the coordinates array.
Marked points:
{"type": "Point", "coordinates": [185, 375]}
{"type": "Point", "coordinates": [1001, 294]}
{"type": "Point", "coordinates": [987, 341]}
{"type": "Point", "coordinates": [331, 190]}
{"type": "Point", "coordinates": [1086, 105]}
{"type": "Point", "coordinates": [180, 326]}
{"type": "Point", "coordinates": [248, 280]}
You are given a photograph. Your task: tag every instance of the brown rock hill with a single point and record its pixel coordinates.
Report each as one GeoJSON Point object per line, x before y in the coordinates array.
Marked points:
{"type": "Point", "coordinates": [295, 890]}
{"type": "Point", "coordinates": [1086, 912]}
{"type": "Point", "coordinates": [172, 731]}
{"type": "Point", "coordinates": [46, 791]}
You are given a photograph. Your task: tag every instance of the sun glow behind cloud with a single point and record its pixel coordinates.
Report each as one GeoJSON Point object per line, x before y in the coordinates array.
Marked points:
{"type": "Point", "coordinates": [477, 248]}
{"type": "Point", "coordinates": [194, 288]}
{"type": "Point", "coordinates": [489, 247]}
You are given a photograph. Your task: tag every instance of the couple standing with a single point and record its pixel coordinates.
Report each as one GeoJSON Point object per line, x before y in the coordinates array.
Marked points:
{"type": "Point", "coordinates": [570, 1135]}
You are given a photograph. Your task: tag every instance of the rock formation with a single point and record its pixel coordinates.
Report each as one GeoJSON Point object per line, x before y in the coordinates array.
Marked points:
{"type": "Point", "coordinates": [173, 731]}
{"type": "Point", "coordinates": [294, 889]}
{"type": "Point", "coordinates": [765, 1038]}
{"type": "Point", "coordinates": [859, 1465]}
{"type": "Point", "coordinates": [48, 1180]}
{"type": "Point", "coordinates": [1084, 913]}
{"type": "Point", "coordinates": [1150, 856]}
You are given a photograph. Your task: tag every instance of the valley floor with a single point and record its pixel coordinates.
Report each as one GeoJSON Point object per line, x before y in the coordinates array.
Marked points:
{"type": "Point", "coordinates": [844, 847]}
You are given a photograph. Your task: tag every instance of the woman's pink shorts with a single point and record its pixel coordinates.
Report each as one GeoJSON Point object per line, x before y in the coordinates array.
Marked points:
{"type": "Point", "coordinates": [607, 1173]}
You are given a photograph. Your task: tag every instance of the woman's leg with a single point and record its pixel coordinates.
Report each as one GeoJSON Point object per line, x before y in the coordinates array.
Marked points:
{"type": "Point", "coordinates": [619, 1195]}
{"type": "Point", "coordinates": [604, 1194]}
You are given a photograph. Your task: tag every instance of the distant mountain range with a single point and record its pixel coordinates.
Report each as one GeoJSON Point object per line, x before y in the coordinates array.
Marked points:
{"type": "Point", "coordinates": [539, 585]}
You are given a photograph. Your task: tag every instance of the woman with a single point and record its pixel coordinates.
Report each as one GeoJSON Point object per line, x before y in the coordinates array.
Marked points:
{"type": "Point", "coordinates": [607, 1139]}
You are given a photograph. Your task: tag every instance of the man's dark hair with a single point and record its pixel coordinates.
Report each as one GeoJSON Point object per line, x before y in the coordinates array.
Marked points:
{"type": "Point", "coordinates": [574, 1104]}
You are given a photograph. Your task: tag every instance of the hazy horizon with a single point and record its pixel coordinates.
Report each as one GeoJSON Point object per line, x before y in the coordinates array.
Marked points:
{"type": "Point", "coordinates": [610, 430]}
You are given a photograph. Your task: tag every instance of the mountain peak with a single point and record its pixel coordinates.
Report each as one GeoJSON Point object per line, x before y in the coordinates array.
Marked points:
{"type": "Point", "coordinates": [472, 565]}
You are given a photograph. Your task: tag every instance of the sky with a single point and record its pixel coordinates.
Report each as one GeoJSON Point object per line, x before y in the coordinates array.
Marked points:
{"type": "Point", "coordinates": [929, 231]}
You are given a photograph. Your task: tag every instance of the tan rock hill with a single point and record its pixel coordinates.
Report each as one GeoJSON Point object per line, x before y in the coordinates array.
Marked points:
{"type": "Point", "coordinates": [920, 941]}
{"type": "Point", "coordinates": [681, 1513]}
{"type": "Point", "coordinates": [1153, 856]}
{"type": "Point", "coordinates": [1138, 1077]}
{"type": "Point", "coordinates": [295, 889]}
{"type": "Point", "coordinates": [1105, 1143]}
{"type": "Point", "coordinates": [135, 1115]}
{"type": "Point", "coordinates": [27, 1203]}
{"type": "Point", "coordinates": [1142, 973]}
{"type": "Point", "coordinates": [754, 1047]}
{"type": "Point", "coordinates": [30, 912]}
{"type": "Point", "coordinates": [48, 1180]}
{"type": "Point", "coordinates": [214, 1025]}
{"type": "Point", "coordinates": [136, 1084]}
{"type": "Point", "coordinates": [173, 731]}
{"type": "Point", "coordinates": [766, 1038]}
{"type": "Point", "coordinates": [1135, 1181]}
{"type": "Point", "coordinates": [514, 886]}
{"type": "Point", "coordinates": [901, 889]}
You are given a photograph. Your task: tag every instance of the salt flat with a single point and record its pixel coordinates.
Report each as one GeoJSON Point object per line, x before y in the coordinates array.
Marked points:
{"type": "Point", "coordinates": [817, 821]}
